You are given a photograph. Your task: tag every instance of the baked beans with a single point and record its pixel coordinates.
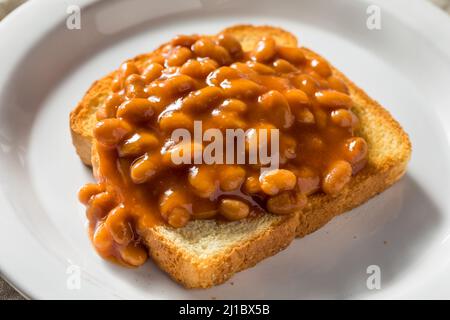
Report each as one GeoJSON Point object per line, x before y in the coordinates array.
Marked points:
{"type": "Point", "coordinates": [299, 103]}
{"type": "Point", "coordinates": [260, 68]}
{"type": "Point", "coordinates": [202, 181]}
{"type": "Point", "coordinates": [171, 199]}
{"type": "Point", "coordinates": [134, 86]}
{"type": "Point", "coordinates": [202, 99]}
{"type": "Point", "coordinates": [344, 118]}
{"type": "Point", "coordinates": [275, 104]}
{"type": "Point", "coordinates": [152, 72]}
{"type": "Point", "coordinates": [88, 191]}
{"type": "Point", "coordinates": [231, 177]}
{"type": "Point", "coordinates": [179, 217]}
{"type": "Point", "coordinates": [213, 80]}
{"type": "Point", "coordinates": [288, 148]}
{"type": "Point", "coordinates": [286, 203]}
{"type": "Point", "coordinates": [136, 110]}
{"type": "Point", "coordinates": [306, 83]}
{"type": "Point", "coordinates": [102, 238]}
{"type": "Point", "coordinates": [178, 150]}
{"type": "Point", "coordinates": [274, 181]}
{"type": "Point", "coordinates": [333, 99]}
{"type": "Point", "coordinates": [178, 57]}
{"type": "Point", "coordinates": [109, 108]}
{"type": "Point", "coordinates": [230, 43]}
{"type": "Point", "coordinates": [234, 105]}
{"type": "Point", "coordinates": [252, 185]}
{"type": "Point", "coordinates": [118, 225]}
{"type": "Point", "coordinates": [134, 254]}
{"type": "Point", "coordinates": [265, 50]}
{"type": "Point", "coordinates": [99, 205]}
{"type": "Point", "coordinates": [207, 48]}
{"type": "Point", "coordinates": [320, 66]}
{"type": "Point", "coordinates": [184, 40]}
{"type": "Point", "coordinates": [138, 144]}
{"type": "Point", "coordinates": [179, 84]}
{"type": "Point", "coordinates": [216, 77]}
{"type": "Point", "coordinates": [233, 209]}
{"type": "Point", "coordinates": [198, 68]}
{"type": "Point", "coordinates": [355, 149]}
{"type": "Point", "coordinates": [144, 168]}
{"type": "Point", "coordinates": [126, 69]}
{"type": "Point", "coordinates": [336, 176]}
{"type": "Point", "coordinates": [291, 54]}
{"type": "Point", "coordinates": [283, 66]}
{"type": "Point", "coordinates": [110, 132]}
{"type": "Point", "coordinates": [308, 180]}
{"type": "Point", "coordinates": [170, 121]}
{"type": "Point", "coordinates": [337, 84]}
{"type": "Point", "coordinates": [226, 119]}
{"type": "Point", "coordinates": [241, 88]}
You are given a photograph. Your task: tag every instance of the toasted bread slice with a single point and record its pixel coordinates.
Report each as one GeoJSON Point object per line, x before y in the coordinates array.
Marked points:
{"type": "Point", "coordinates": [206, 253]}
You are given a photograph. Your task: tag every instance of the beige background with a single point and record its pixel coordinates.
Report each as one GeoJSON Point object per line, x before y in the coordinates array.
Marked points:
{"type": "Point", "coordinates": [6, 6]}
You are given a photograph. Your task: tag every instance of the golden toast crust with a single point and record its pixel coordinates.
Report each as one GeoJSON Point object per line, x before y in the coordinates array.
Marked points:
{"type": "Point", "coordinates": [198, 273]}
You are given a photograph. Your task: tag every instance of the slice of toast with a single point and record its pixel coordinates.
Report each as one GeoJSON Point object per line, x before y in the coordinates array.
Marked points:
{"type": "Point", "coordinates": [206, 253]}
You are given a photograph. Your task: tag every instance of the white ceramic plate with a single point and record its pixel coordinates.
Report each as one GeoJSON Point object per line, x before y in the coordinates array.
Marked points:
{"type": "Point", "coordinates": [46, 68]}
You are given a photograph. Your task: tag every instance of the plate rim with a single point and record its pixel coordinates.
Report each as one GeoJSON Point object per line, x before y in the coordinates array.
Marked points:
{"type": "Point", "coordinates": [421, 13]}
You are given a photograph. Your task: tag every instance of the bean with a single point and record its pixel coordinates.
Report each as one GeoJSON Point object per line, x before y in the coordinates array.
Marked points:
{"type": "Point", "coordinates": [110, 132]}
{"type": "Point", "coordinates": [118, 225]}
{"type": "Point", "coordinates": [265, 50]}
{"type": "Point", "coordinates": [231, 177]}
{"type": "Point", "coordinates": [275, 181]}
{"type": "Point", "coordinates": [230, 43]}
{"type": "Point", "coordinates": [134, 254]}
{"type": "Point", "coordinates": [336, 176]}
{"type": "Point", "coordinates": [233, 209]}
{"type": "Point", "coordinates": [136, 110]}
{"type": "Point", "coordinates": [144, 168]}
{"type": "Point", "coordinates": [292, 54]}
{"type": "Point", "coordinates": [88, 191]}
{"type": "Point", "coordinates": [355, 149]}
{"type": "Point", "coordinates": [286, 203]}
{"type": "Point", "coordinates": [138, 144]}
{"type": "Point", "coordinates": [333, 99]}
